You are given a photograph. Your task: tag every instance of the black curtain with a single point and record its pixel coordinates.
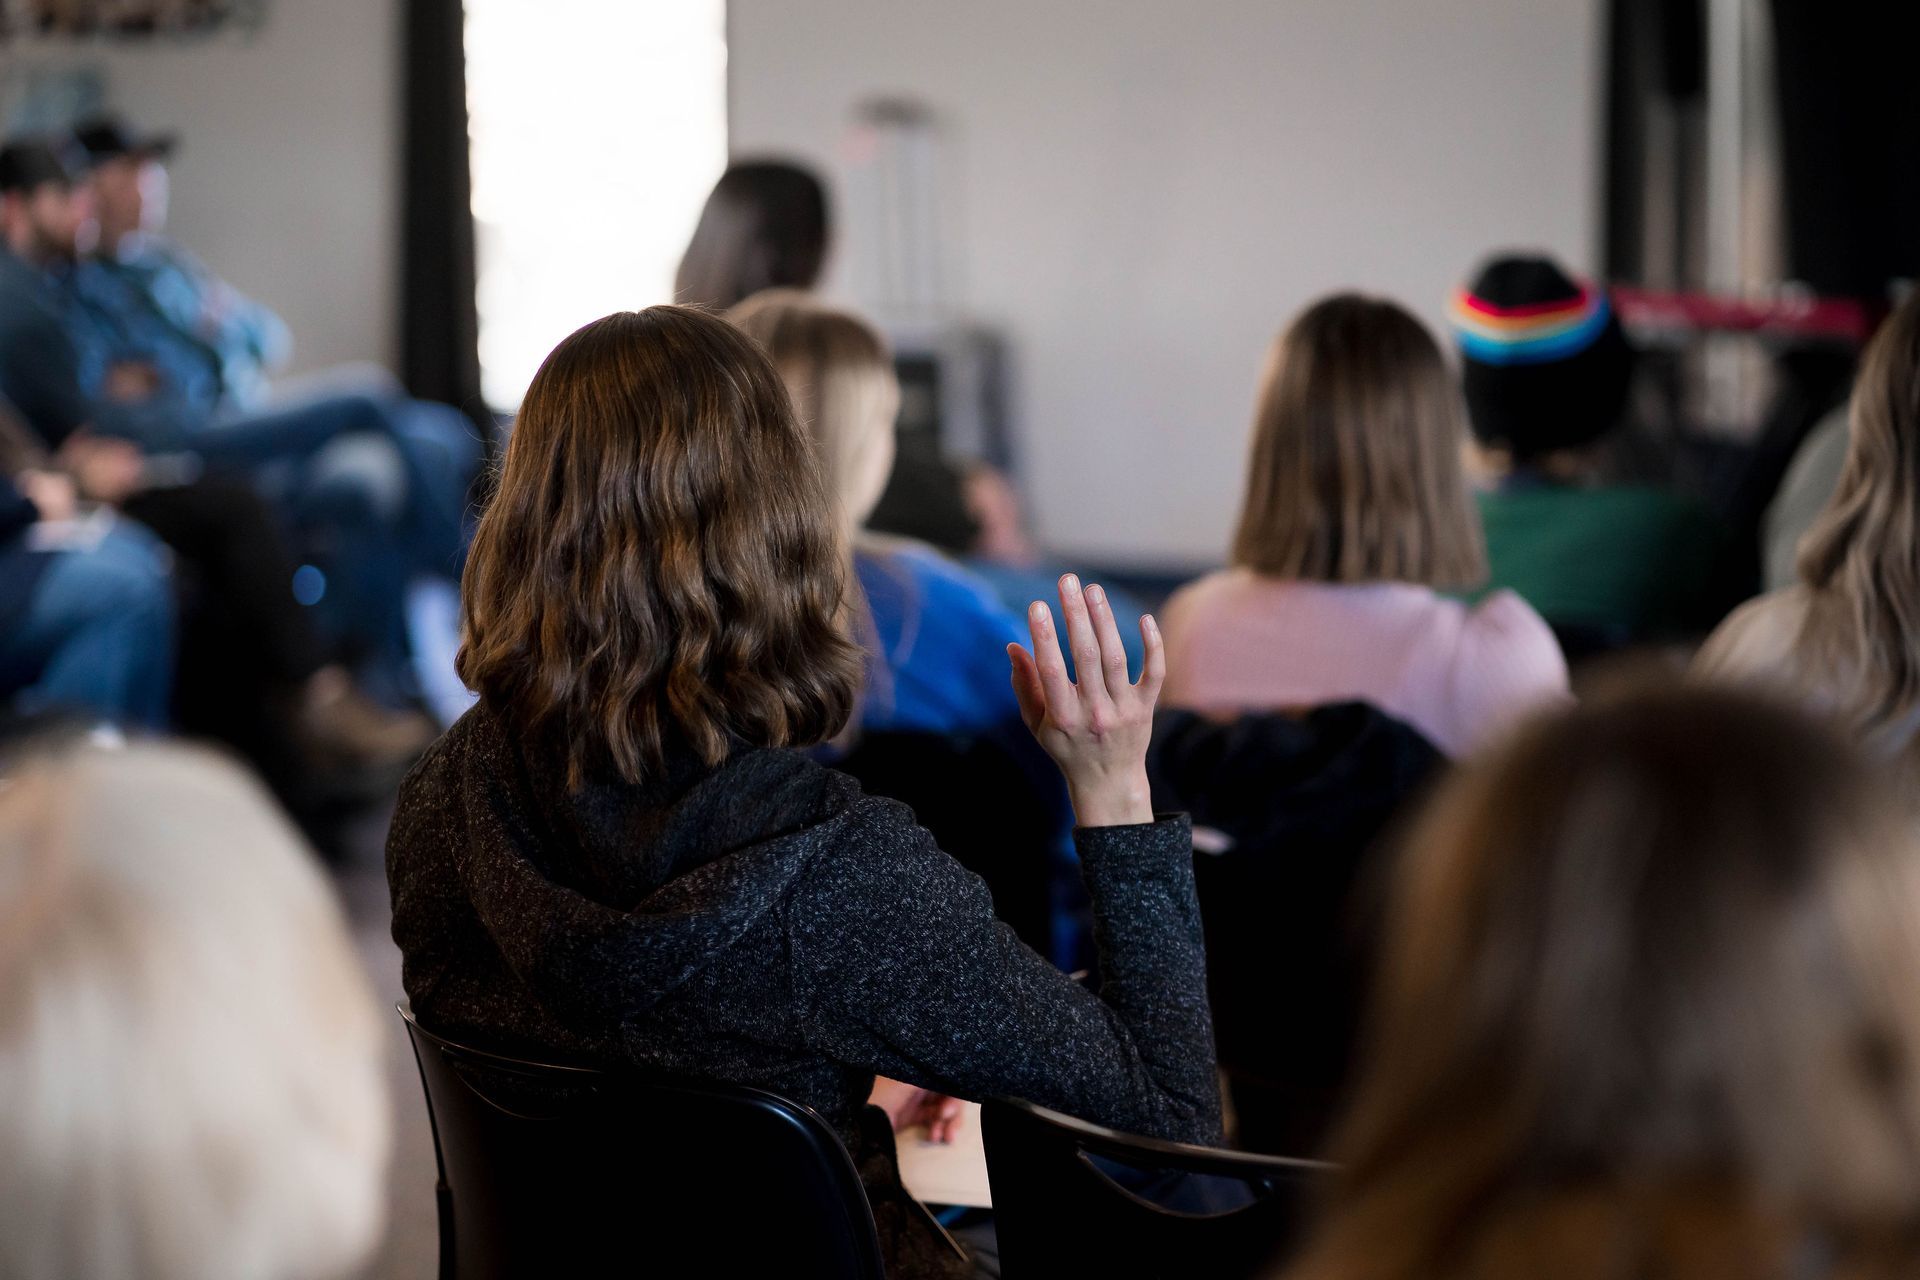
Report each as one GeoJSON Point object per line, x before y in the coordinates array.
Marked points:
{"type": "Point", "coordinates": [1655, 51]}
{"type": "Point", "coordinates": [439, 322]}
{"type": "Point", "coordinates": [1850, 142]}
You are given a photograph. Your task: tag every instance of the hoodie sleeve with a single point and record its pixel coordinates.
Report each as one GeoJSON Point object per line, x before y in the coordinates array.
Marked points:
{"type": "Point", "coordinates": [903, 969]}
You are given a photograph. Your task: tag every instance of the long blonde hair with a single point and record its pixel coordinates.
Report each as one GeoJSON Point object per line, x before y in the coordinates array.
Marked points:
{"type": "Point", "coordinates": [1355, 471]}
{"type": "Point", "coordinates": [193, 1065]}
{"type": "Point", "coordinates": [840, 376]}
{"type": "Point", "coordinates": [1861, 559]}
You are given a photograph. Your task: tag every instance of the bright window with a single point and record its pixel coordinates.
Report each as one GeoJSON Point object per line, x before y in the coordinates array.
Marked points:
{"type": "Point", "coordinates": [598, 128]}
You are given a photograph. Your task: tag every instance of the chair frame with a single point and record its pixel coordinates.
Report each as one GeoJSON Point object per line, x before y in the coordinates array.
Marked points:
{"type": "Point", "coordinates": [1269, 1173]}
{"type": "Point", "coordinates": [840, 1167]}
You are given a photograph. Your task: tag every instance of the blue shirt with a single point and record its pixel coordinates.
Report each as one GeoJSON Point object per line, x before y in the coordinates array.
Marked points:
{"type": "Point", "coordinates": [114, 321]}
{"type": "Point", "coordinates": [40, 367]}
{"type": "Point", "coordinates": [210, 325]}
{"type": "Point", "coordinates": [937, 647]}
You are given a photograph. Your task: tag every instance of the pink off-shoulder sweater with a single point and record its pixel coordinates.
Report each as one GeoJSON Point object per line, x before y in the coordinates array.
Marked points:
{"type": "Point", "coordinates": [1238, 642]}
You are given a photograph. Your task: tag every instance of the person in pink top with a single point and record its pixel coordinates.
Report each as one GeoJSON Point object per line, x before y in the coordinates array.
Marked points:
{"type": "Point", "coordinates": [1357, 518]}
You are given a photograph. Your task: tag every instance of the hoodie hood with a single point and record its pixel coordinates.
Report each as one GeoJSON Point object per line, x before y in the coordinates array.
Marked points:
{"type": "Point", "coordinates": [584, 889]}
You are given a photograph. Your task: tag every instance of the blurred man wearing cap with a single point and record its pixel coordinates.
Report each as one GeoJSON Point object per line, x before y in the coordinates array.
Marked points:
{"type": "Point", "coordinates": [1547, 370]}
{"type": "Point", "coordinates": [381, 478]}
{"type": "Point", "coordinates": [224, 337]}
{"type": "Point", "coordinates": [374, 484]}
{"type": "Point", "coordinates": [252, 671]}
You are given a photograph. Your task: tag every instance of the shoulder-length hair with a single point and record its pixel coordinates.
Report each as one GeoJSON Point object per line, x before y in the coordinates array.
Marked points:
{"type": "Point", "coordinates": [1355, 472]}
{"type": "Point", "coordinates": [839, 374]}
{"type": "Point", "coordinates": [660, 561]}
{"type": "Point", "coordinates": [1861, 558]}
{"type": "Point", "coordinates": [765, 226]}
{"type": "Point", "coordinates": [1646, 1002]}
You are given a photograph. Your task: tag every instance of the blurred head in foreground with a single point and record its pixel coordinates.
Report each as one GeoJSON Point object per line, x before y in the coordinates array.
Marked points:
{"type": "Point", "coordinates": [190, 1055]}
{"type": "Point", "coordinates": [1647, 1008]}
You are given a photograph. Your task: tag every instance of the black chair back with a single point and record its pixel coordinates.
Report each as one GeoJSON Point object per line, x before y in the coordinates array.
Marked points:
{"type": "Point", "coordinates": [1070, 1199]}
{"type": "Point", "coordinates": [552, 1170]}
{"type": "Point", "coordinates": [1290, 906]}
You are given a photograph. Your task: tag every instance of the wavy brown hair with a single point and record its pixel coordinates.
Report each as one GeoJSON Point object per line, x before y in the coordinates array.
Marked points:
{"type": "Point", "coordinates": [659, 562]}
{"type": "Point", "coordinates": [1646, 1008]}
{"type": "Point", "coordinates": [1861, 558]}
{"type": "Point", "coordinates": [1355, 471]}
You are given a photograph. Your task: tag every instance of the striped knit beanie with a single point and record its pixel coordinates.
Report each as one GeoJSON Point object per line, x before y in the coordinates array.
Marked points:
{"type": "Point", "coordinates": [1543, 360]}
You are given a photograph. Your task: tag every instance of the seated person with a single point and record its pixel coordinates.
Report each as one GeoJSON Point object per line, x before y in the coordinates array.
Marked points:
{"type": "Point", "coordinates": [86, 613]}
{"type": "Point", "coordinates": [373, 480]}
{"type": "Point", "coordinates": [195, 1066]}
{"type": "Point", "coordinates": [936, 637]}
{"type": "Point", "coordinates": [1845, 637]}
{"type": "Point", "coordinates": [253, 672]}
{"type": "Point", "coordinates": [1646, 1009]}
{"type": "Point", "coordinates": [1547, 369]}
{"type": "Point", "coordinates": [1805, 490]}
{"type": "Point", "coordinates": [1356, 519]}
{"type": "Point", "coordinates": [619, 854]}
{"type": "Point", "coordinates": [767, 225]}
{"type": "Point", "coordinates": [234, 344]}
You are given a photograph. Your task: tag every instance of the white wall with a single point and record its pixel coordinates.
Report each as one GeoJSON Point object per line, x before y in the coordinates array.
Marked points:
{"type": "Point", "coordinates": [1143, 191]}
{"type": "Point", "coordinates": [286, 181]}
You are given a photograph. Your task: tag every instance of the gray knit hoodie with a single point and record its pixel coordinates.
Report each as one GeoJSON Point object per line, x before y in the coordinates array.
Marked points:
{"type": "Point", "coordinates": [764, 922]}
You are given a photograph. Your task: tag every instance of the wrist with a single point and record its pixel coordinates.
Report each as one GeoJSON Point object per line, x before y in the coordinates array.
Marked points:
{"type": "Point", "coordinates": [1119, 801]}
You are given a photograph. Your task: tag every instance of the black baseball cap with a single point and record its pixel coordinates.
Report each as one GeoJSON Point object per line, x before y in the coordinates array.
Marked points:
{"type": "Point", "coordinates": [27, 164]}
{"type": "Point", "coordinates": [107, 136]}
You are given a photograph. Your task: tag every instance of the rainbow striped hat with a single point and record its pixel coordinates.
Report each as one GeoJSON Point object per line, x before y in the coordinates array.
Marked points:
{"type": "Point", "coordinates": [1543, 361]}
{"type": "Point", "coordinates": [1528, 332]}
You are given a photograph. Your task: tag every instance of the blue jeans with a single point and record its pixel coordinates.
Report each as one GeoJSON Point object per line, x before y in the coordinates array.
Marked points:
{"type": "Point", "coordinates": [367, 534]}
{"type": "Point", "coordinates": [98, 632]}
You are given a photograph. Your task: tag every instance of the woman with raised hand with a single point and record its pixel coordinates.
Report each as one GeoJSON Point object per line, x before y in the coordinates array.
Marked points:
{"type": "Point", "coordinates": [619, 856]}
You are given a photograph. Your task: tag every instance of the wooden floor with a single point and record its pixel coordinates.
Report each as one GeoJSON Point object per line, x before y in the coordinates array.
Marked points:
{"type": "Point", "coordinates": [410, 1250]}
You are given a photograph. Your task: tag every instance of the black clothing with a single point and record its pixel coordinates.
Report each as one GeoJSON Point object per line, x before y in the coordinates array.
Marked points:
{"type": "Point", "coordinates": [763, 922]}
{"type": "Point", "coordinates": [1290, 907]}
{"type": "Point", "coordinates": [247, 647]}
{"type": "Point", "coordinates": [19, 573]}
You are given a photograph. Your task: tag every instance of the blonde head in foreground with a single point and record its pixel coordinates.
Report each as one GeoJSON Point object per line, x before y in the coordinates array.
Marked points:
{"type": "Point", "coordinates": [189, 1051]}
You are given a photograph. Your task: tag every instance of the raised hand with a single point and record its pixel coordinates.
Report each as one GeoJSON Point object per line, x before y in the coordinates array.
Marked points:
{"type": "Point", "coordinates": [1096, 730]}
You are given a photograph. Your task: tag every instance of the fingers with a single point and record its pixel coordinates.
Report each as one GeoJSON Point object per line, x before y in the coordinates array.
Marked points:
{"type": "Point", "coordinates": [1113, 654]}
{"type": "Point", "coordinates": [943, 1125]}
{"type": "Point", "coordinates": [1086, 648]}
{"type": "Point", "coordinates": [1027, 688]}
{"type": "Point", "coordinates": [1051, 666]}
{"type": "Point", "coordinates": [1153, 672]}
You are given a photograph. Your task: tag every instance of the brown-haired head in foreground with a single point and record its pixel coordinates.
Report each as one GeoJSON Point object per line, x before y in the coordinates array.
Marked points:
{"type": "Point", "coordinates": [1646, 1008]}
{"type": "Point", "coordinates": [1861, 558]}
{"type": "Point", "coordinates": [660, 561]}
{"type": "Point", "coordinates": [1355, 471]}
{"type": "Point", "coordinates": [840, 377]}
